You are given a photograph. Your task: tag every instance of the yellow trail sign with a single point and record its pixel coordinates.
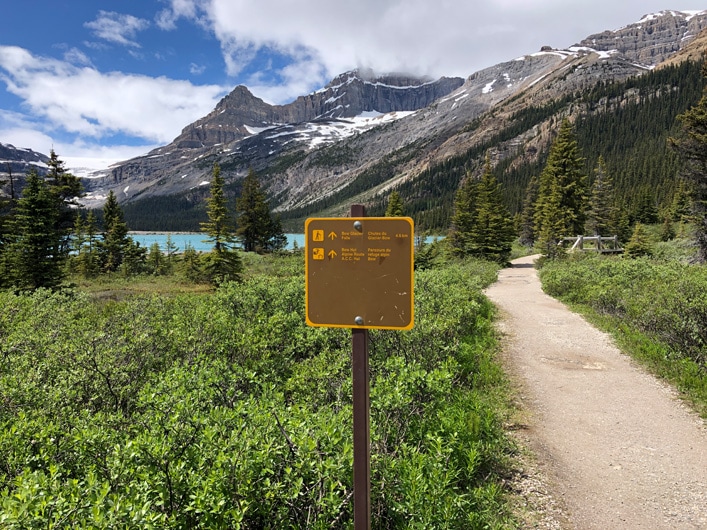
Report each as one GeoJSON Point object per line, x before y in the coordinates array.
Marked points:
{"type": "Point", "coordinates": [359, 272]}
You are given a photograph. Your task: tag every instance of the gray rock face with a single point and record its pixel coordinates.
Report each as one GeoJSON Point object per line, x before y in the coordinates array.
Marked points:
{"type": "Point", "coordinates": [240, 113]}
{"type": "Point", "coordinates": [16, 163]}
{"type": "Point", "coordinates": [21, 160]}
{"type": "Point", "coordinates": [653, 39]}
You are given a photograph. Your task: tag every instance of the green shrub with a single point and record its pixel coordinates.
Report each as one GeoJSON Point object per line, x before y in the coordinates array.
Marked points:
{"type": "Point", "coordinates": [226, 411]}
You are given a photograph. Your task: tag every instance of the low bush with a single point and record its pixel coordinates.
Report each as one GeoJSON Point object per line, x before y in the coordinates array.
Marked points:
{"type": "Point", "coordinates": [224, 410]}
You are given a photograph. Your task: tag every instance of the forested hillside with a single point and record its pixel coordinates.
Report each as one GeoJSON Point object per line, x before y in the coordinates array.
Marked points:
{"type": "Point", "coordinates": [626, 123]}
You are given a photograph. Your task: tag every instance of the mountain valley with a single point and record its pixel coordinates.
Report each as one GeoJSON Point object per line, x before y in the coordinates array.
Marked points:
{"type": "Point", "coordinates": [365, 134]}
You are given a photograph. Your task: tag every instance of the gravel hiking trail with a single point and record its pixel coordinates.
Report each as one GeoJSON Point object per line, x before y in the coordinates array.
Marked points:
{"type": "Point", "coordinates": [614, 448]}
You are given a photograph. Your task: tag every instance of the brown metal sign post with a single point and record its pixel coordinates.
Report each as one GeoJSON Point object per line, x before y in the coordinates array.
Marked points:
{"type": "Point", "coordinates": [361, 419]}
{"type": "Point", "coordinates": [359, 275]}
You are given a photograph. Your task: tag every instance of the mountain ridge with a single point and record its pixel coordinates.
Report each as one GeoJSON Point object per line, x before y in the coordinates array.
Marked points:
{"type": "Point", "coordinates": [328, 143]}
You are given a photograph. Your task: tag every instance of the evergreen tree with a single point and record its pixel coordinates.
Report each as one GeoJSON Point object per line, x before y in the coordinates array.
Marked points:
{"type": "Point", "coordinates": [170, 250]}
{"type": "Point", "coordinates": [84, 245]}
{"type": "Point", "coordinates": [115, 235]}
{"type": "Point", "coordinates": [191, 265]}
{"type": "Point", "coordinates": [155, 260]}
{"type": "Point", "coordinates": [492, 232]}
{"type": "Point", "coordinates": [277, 240]}
{"type": "Point", "coordinates": [667, 230]}
{"type": "Point", "coordinates": [681, 206]}
{"type": "Point", "coordinates": [646, 209]}
{"type": "Point", "coordinates": [257, 231]}
{"type": "Point", "coordinates": [219, 227]}
{"type": "Point", "coordinates": [462, 221]}
{"type": "Point", "coordinates": [395, 205]}
{"type": "Point", "coordinates": [66, 189]}
{"type": "Point", "coordinates": [692, 147]}
{"type": "Point", "coordinates": [639, 244]}
{"type": "Point", "coordinates": [553, 226]}
{"type": "Point", "coordinates": [602, 214]}
{"type": "Point", "coordinates": [527, 231]}
{"type": "Point", "coordinates": [223, 263]}
{"type": "Point", "coordinates": [134, 258]}
{"type": "Point", "coordinates": [481, 225]}
{"type": "Point", "coordinates": [30, 259]}
{"type": "Point", "coordinates": [560, 208]}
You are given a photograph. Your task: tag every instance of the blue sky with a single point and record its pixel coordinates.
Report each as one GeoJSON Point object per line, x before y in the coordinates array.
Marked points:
{"type": "Point", "coordinates": [105, 80]}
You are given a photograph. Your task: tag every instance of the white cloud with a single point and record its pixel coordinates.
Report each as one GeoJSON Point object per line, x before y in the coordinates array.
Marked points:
{"type": "Point", "coordinates": [196, 69]}
{"type": "Point", "coordinates": [188, 9]}
{"type": "Point", "coordinates": [87, 102]}
{"type": "Point", "coordinates": [441, 37]}
{"type": "Point", "coordinates": [76, 56]}
{"type": "Point", "coordinates": [18, 130]}
{"type": "Point", "coordinates": [118, 28]}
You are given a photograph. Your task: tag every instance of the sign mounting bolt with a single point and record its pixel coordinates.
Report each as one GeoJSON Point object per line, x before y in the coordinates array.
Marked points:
{"type": "Point", "coordinates": [358, 225]}
{"type": "Point", "coordinates": [359, 321]}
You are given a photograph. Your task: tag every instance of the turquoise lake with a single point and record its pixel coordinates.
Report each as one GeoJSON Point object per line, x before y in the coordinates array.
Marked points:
{"type": "Point", "coordinates": [197, 241]}
{"type": "Point", "coordinates": [180, 240]}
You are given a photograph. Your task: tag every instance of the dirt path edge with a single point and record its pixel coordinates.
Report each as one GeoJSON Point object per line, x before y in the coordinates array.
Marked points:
{"type": "Point", "coordinates": [608, 446]}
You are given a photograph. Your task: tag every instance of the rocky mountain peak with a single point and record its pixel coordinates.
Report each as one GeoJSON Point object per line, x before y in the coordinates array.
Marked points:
{"type": "Point", "coordinates": [241, 114]}
{"type": "Point", "coordinates": [653, 39]}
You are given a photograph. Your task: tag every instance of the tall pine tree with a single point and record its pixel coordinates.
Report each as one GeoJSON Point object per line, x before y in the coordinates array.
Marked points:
{"type": "Point", "coordinates": [560, 208]}
{"type": "Point", "coordinates": [257, 230]}
{"type": "Point", "coordinates": [462, 221]}
{"type": "Point", "coordinates": [395, 205]}
{"type": "Point", "coordinates": [115, 235]}
{"type": "Point", "coordinates": [492, 231]}
{"type": "Point", "coordinates": [527, 228]}
{"type": "Point", "coordinates": [219, 227]}
{"type": "Point", "coordinates": [66, 189]}
{"type": "Point", "coordinates": [481, 225]}
{"type": "Point", "coordinates": [30, 258]}
{"type": "Point", "coordinates": [223, 263]}
{"type": "Point", "coordinates": [692, 147]}
{"type": "Point", "coordinates": [602, 216]}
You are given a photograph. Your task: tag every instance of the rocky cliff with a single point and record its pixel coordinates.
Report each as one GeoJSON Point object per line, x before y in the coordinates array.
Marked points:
{"type": "Point", "coordinates": [652, 39]}
{"type": "Point", "coordinates": [15, 163]}
{"type": "Point", "coordinates": [240, 114]}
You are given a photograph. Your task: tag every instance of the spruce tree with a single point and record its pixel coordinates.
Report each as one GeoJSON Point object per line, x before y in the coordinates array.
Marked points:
{"type": "Point", "coordinates": [492, 231]}
{"type": "Point", "coordinates": [553, 224]}
{"type": "Point", "coordinates": [681, 206]}
{"type": "Point", "coordinates": [257, 231]}
{"type": "Point", "coordinates": [560, 208]}
{"type": "Point", "coordinates": [667, 230]}
{"type": "Point", "coordinates": [692, 147]}
{"type": "Point", "coordinates": [115, 235]}
{"type": "Point", "coordinates": [395, 205]}
{"type": "Point", "coordinates": [67, 189]}
{"type": "Point", "coordinates": [602, 214]}
{"type": "Point", "coordinates": [30, 258]}
{"type": "Point", "coordinates": [219, 227]}
{"type": "Point", "coordinates": [463, 218]}
{"type": "Point", "coordinates": [527, 231]}
{"type": "Point", "coordinates": [481, 225]}
{"type": "Point", "coordinates": [639, 244]}
{"type": "Point", "coordinates": [223, 263]}
{"type": "Point", "coordinates": [84, 245]}
{"type": "Point", "coordinates": [277, 240]}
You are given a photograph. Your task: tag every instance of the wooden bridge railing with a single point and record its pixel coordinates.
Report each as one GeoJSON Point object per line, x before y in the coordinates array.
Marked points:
{"type": "Point", "coordinates": [603, 245]}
